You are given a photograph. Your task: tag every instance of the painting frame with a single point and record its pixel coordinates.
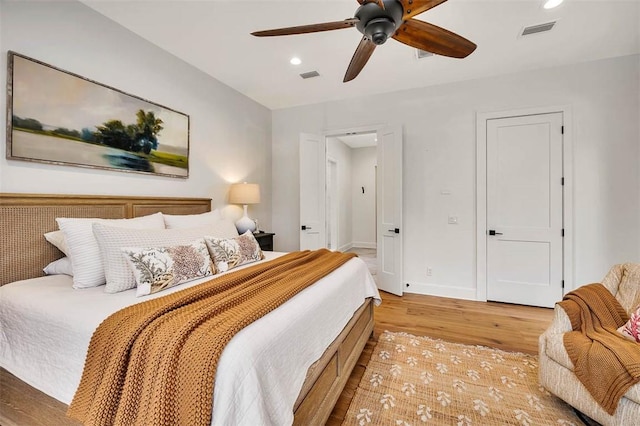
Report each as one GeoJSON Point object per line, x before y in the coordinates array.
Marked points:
{"type": "Point", "coordinates": [55, 116]}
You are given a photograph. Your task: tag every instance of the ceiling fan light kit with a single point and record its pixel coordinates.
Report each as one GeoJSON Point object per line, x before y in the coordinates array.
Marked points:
{"type": "Point", "coordinates": [550, 4]}
{"type": "Point", "coordinates": [379, 24]}
{"type": "Point", "coordinates": [378, 20]}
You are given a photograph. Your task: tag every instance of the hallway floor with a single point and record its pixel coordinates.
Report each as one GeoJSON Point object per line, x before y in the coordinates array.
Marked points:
{"type": "Point", "coordinates": [369, 257]}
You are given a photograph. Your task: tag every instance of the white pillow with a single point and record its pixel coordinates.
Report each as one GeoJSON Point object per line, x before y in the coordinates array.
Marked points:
{"type": "Point", "coordinates": [88, 270]}
{"type": "Point", "coordinates": [223, 228]}
{"type": "Point", "coordinates": [61, 266]}
{"type": "Point", "coordinates": [57, 239]}
{"type": "Point", "coordinates": [159, 268]}
{"type": "Point", "coordinates": [111, 240]}
{"type": "Point", "coordinates": [172, 221]}
{"type": "Point", "coordinates": [217, 225]}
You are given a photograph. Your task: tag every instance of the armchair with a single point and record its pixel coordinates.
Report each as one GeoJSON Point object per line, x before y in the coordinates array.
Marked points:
{"type": "Point", "coordinates": [556, 369]}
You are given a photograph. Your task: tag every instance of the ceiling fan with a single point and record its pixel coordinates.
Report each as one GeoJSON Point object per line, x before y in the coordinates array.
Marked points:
{"type": "Point", "coordinates": [378, 20]}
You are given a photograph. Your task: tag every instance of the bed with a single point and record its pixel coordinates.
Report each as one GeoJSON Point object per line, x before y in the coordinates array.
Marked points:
{"type": "Point", "coordinates": [27, 373]}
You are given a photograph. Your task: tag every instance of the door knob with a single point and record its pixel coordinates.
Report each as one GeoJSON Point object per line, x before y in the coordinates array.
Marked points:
{"type": "Point", "coordinates": [394, 230]}
{"type": "Point", "coordinates": [304, 227]}
{"type": "Point", "coordinates": [493, 232]}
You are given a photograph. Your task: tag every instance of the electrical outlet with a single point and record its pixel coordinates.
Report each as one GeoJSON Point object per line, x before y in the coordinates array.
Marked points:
{"type": "Point", "coordinates": [429, 271]}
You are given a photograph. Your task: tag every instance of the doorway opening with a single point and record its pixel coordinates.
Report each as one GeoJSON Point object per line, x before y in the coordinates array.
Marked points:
{"type": "Point", "coordinates": [351, 194]}
{"type": "Point", "coordinates": [381, 221]}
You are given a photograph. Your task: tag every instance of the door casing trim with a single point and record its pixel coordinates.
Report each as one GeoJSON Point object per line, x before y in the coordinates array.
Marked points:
{"type": "Point", "coordinates": [481, 191]}
{"type": "Point", "coordinates": [329, 214]}
{"type": "Point", "coordinates": [378, 128]}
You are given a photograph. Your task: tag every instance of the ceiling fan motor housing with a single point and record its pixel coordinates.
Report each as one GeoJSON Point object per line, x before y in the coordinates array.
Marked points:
{"type": "Point", "coordinates": [379, 24]}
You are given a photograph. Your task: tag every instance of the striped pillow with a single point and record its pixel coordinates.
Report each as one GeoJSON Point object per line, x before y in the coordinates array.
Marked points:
{"type": "Point", "coordinates": [83, 250]}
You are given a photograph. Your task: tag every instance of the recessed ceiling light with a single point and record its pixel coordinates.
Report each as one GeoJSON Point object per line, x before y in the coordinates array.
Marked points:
{"type": "Point", "coordinates": [295, 61]}
{"type": "Point", "coordinates": [550, 4]}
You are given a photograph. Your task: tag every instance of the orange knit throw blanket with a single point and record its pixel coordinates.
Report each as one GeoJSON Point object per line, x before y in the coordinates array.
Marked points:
{"type": "Point", "coordinates": [154, 363]}
{"type": "Point", "coordinates": [606, 363]}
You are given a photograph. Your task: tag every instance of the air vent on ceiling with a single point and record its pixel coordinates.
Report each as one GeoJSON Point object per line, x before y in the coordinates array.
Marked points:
{"type": "Point", "coordinates": [310, 74]}
{"type": "Point", "coordinates": [421, 54]}
{"type": "Point", "coordinates": [540, 28]}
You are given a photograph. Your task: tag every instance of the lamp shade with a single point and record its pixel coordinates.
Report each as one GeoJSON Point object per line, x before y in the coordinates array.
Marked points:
{"type": "Point", "coordinates": [244, 193]}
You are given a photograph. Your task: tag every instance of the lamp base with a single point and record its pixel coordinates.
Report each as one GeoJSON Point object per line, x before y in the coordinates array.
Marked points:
{"type": "Point", "coordinates": [245, 224]}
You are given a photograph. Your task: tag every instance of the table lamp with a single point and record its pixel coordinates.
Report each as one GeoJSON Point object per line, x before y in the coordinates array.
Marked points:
{"type": "Point", "coordinates": [245, 194]}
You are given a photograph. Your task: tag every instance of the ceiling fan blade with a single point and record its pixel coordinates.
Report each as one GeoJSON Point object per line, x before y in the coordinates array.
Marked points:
{"type": "Point", "coordinates": [434, 39]}
{"type": "Point", "coordinates": [313, 28]}
{"type": "Point", "coordinates": [415, 7]}
{"type": "Point", "coordinates": [360, 58]}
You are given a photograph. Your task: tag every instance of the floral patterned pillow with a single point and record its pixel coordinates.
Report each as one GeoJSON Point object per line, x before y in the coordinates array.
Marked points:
{"type": "Point", "coordinates": [159, 268]}
{"type": "Point", "coordinates": [631, 330]}
{"type": "Point", "coordinates": [227, 253]}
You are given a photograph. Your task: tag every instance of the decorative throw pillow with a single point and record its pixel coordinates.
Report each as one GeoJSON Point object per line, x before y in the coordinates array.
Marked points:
{"type": "Point", "coordinates": [227, 253]}
{"type": "Point", "coordinates": [172, 221]}
{"type": "Point", "coordinates": [111, 239]}
{"type": "Point", "coordinates": [57, 239]}
{"type": "Point", "coordinates": [156, 269]}
{"type": "Point", "coordinates": [631, 330]}
{"type": "Point", "coordinates": [88, 269]}
{"type": "Point", "coordinates": [61, 266]}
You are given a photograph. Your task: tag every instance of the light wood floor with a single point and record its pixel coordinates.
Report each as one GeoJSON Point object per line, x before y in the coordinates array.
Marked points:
{"type": "Point", "coordinates": [499, 325]}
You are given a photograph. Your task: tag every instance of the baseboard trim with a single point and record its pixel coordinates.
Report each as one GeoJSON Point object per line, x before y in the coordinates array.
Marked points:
{"type": "Point", "coordinates": [360, 244]}
{"type": "Point", "coordinates": [345, 247]}
{"type": "Point", "coordinates": [441, 290]}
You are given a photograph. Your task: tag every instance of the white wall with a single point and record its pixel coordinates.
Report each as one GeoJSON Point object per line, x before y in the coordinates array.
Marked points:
{"type": "Point", "coordinates": [340, 152]}
{"type": "Point", "coordinates": [230, 134]}
{"type": "Point", "coordinates": [363, 174]}
{"type": "Point", "coordinates": [439, 153]}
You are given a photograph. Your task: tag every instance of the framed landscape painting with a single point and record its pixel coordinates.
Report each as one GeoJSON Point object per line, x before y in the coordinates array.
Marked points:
{"type": "Point", "coordinates": [55, 116]}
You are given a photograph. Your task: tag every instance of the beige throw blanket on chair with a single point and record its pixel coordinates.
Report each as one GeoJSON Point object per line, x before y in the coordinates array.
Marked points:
{"type": "Point", "coordinates": [606, 363]}
{"type": "Point", "coordinates": [154, 363]}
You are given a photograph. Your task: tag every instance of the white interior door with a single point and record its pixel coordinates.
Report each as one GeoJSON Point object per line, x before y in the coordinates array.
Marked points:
{"type": "Point", "coordinates": [312, 192]}
{"type": "Point", "coordinates": [389, 210]}
{"type": "Point", "coordinates": [524, 209]}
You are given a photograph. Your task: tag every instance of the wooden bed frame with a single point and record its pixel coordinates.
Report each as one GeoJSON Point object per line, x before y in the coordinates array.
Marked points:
{"type": "Point", "coordinates": [24, 218]}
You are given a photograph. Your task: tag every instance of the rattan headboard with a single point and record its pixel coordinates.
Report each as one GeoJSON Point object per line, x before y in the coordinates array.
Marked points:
{"type": "Point", "coordinates": [24, 218]}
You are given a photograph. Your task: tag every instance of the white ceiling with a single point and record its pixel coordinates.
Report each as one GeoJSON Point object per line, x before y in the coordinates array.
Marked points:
{"type": "Point", "coordinates": [214, 36]}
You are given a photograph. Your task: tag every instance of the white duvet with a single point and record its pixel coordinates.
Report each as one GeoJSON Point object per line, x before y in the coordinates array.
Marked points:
{"type": "Point", "coordinates": [46, 326]}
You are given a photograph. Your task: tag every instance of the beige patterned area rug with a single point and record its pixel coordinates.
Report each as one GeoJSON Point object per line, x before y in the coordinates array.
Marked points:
{"type": "Point", "coordinates": [417, 380]}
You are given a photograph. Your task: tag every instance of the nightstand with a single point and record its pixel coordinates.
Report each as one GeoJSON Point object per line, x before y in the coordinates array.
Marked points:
{"type": "Point", "coordinates": [265, 240]}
